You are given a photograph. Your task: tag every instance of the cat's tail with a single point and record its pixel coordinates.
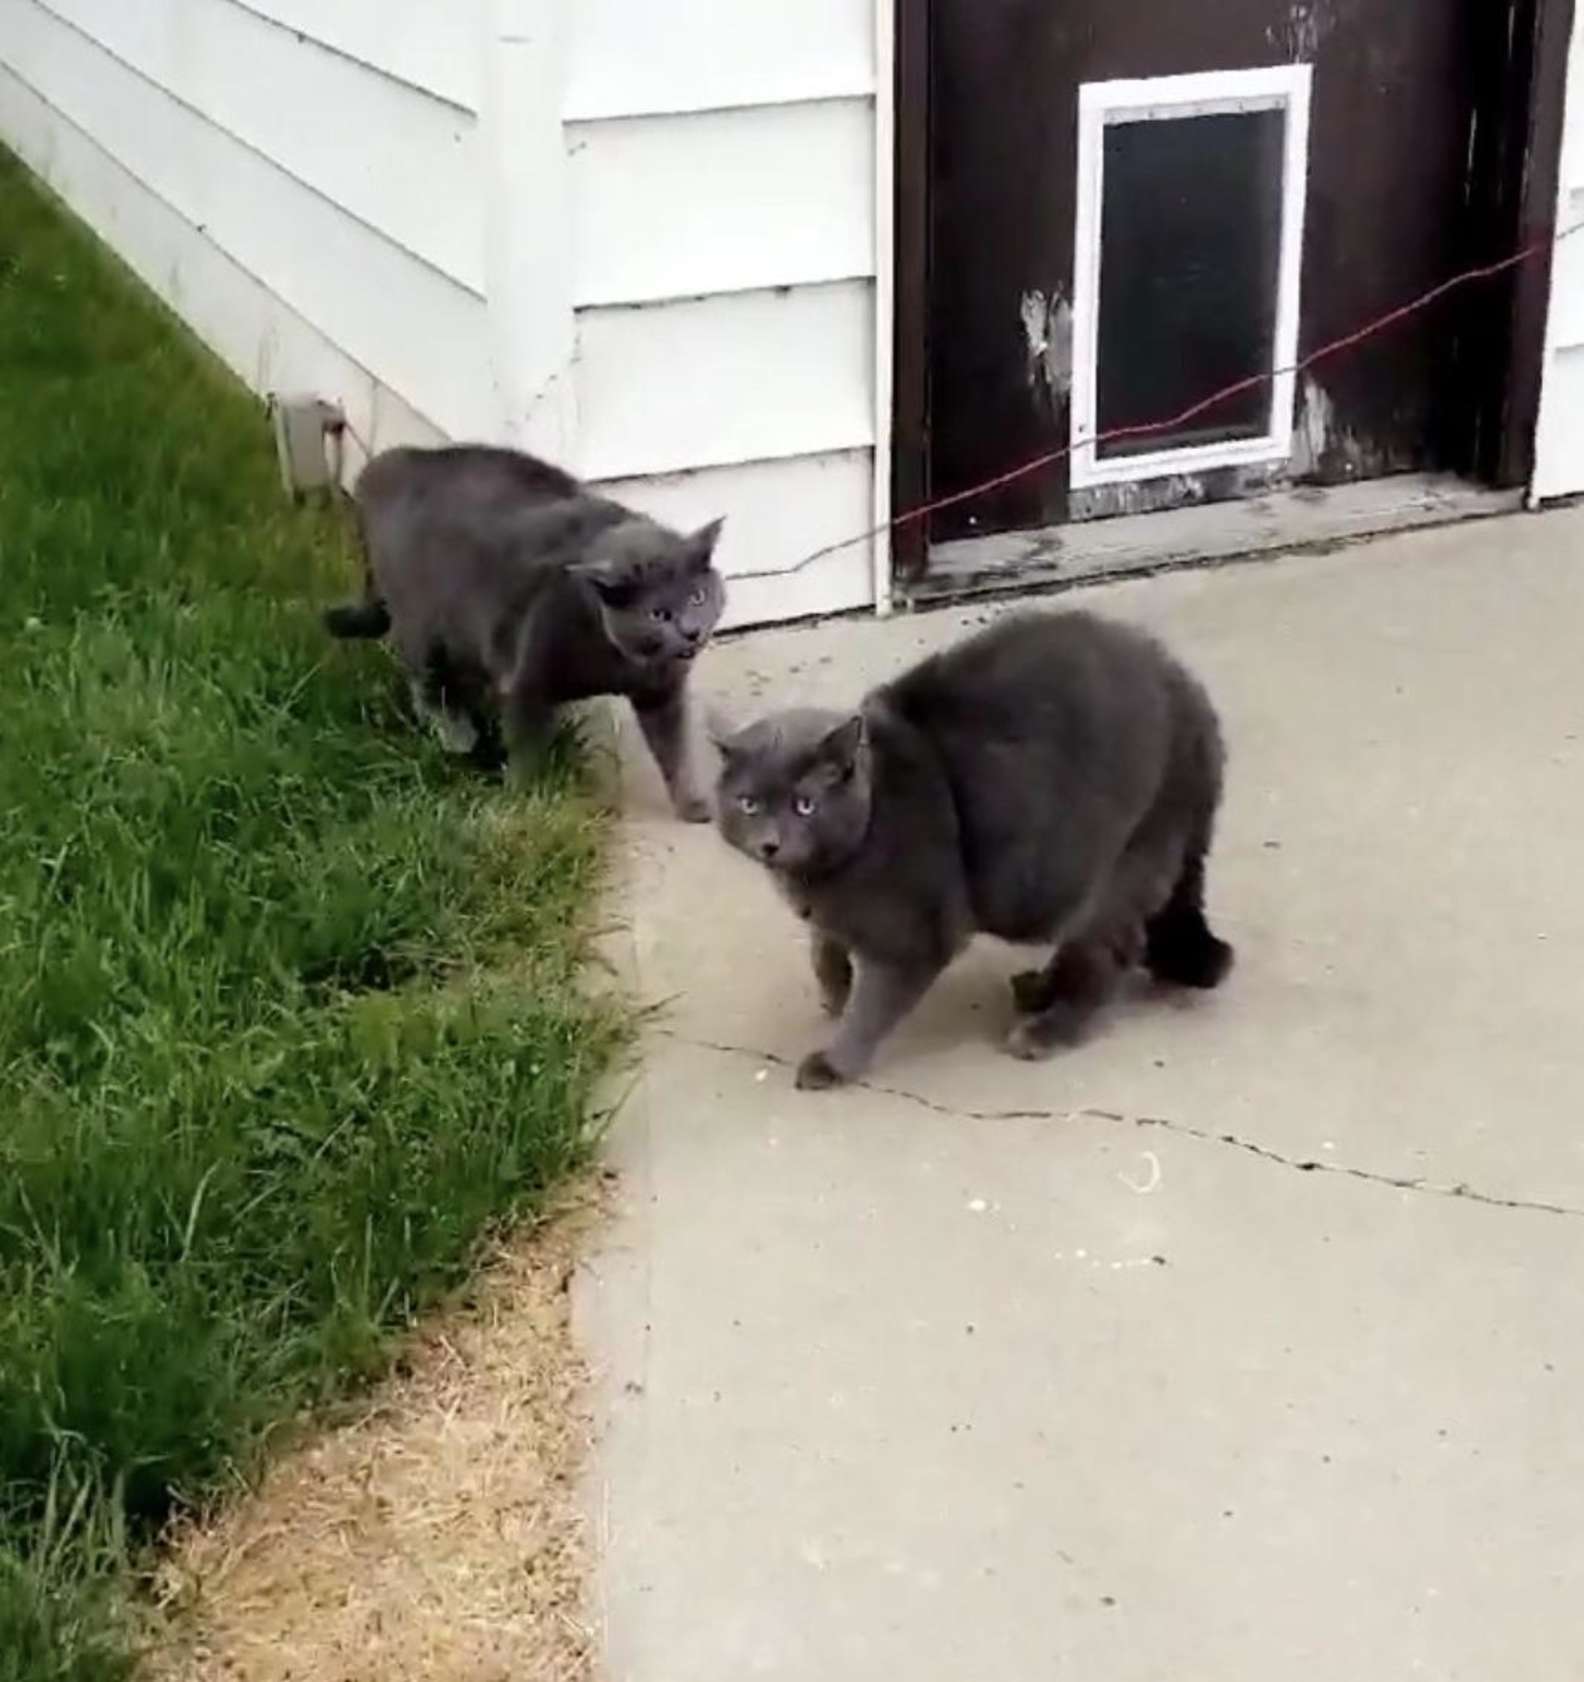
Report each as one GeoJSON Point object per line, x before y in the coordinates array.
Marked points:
{"type": "Point", "coordinates": [1179, 947]}
{"type": "Point", "coordinates": [367, 619]}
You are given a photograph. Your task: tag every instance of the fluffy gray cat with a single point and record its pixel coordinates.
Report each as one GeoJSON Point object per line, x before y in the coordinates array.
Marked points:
{"type": "Point", "coordinates": [508, 588]}
{"type": "Point", "coordinates": [1053, 778]}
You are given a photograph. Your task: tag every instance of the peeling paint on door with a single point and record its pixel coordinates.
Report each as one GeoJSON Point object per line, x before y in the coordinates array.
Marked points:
{"type": "Point", "coordinates": [1323, 447]}
{"type": "Point", "coordinates": [1300, 33]}
{"type": "Point", "coordinates": [1312, 431]}
{"type": "Point", "coordinates": [1047, 331]}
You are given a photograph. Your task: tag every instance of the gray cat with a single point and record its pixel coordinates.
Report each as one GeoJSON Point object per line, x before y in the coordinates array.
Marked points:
{"type": "Point", "coordinates": [1053, 778]}
{"type": "Point", "coordinates": [508, 588]}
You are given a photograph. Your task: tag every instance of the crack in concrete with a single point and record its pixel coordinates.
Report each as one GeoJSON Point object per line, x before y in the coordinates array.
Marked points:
{"type": "Point", "coordinates": [1457, 1191]}
{"type": "Point", "coordinates": [869, 1086]}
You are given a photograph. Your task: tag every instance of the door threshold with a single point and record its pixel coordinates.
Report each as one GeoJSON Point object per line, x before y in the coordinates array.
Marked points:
{"type": "Point", "coordinates": [1307, 517]}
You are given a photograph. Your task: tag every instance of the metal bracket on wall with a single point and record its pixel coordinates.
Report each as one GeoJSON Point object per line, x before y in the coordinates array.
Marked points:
{"type": "Point", "coordinates": [310, 464]}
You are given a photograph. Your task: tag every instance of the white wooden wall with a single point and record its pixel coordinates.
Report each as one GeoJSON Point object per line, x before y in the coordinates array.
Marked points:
{"type": "Point", "coordinates": [1559, 439]}
{"type": "Point", "coordinates": [728, 225]}
{"type": "Point", "coordinates": [300, 180]}
{"type": "Point", "coordinates": [642, 237]}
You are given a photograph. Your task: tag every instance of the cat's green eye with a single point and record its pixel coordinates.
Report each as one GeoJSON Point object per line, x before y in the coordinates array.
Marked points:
{"type": "Point", "coordinates": [804, 805]}
{"type": "Point", "coordinates": [660, 613]}
{"type": "Point", "coordinates": [697, 598]}
{"type": "Point", "coordinates": [747, 805]}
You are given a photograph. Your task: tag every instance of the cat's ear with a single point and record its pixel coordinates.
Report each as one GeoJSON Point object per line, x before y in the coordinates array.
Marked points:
{"type": "Point", "coordinates": [841, 748]}
{"type": "Point", "coordinates": [721, 728]}
{"type": "Point", "coordinates": [610, 580]}
{"type": "Point", "coordinates": [701, 545]}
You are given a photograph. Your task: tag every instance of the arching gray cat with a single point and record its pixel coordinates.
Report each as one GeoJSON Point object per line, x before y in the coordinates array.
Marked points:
{"type": "Point", "coordinates": [508, 588]}
{"type": "Point", "coordinates": [1054, 778]}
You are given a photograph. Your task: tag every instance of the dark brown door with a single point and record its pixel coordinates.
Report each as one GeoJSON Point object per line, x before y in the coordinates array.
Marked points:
{"type": "Point", "coordinates": [1399, 195]}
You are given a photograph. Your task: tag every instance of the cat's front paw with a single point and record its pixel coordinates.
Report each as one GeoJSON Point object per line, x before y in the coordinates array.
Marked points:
{"type": "Point", "coordinates": [815, 1074]}
{"type": "Point", "coordinates": [692, 808]}
{"type": "Point", "coordinates": [1059, 1027]}
{"type": "Point", "coordinates": [1031, 1041]}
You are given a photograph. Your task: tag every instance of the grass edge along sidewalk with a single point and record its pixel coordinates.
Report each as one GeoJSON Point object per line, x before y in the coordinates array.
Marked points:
{"type": "Point", "coordinates": [290, 1009]}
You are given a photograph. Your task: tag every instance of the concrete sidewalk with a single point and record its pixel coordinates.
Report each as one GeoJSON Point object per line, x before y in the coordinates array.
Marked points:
{"type": "Point", "coordinates": [1245, 1344]}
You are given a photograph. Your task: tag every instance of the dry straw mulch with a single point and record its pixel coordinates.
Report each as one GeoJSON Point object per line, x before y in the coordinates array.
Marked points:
{"type": "Point", "coordinates": [438, 1536]}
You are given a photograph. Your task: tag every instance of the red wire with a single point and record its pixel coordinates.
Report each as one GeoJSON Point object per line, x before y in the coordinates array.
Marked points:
{"type": "Point", "coordinates": [1145, 429]}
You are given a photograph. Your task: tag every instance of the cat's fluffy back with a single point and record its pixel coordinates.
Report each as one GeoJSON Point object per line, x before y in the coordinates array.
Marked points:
{"type": "Point", "coordinates": [474, 476]}
{"type": "Point", "coordinates": [417, 508]}
{"type": "Point", "coordinates": [1031, 674]}
{"type": "Point", "coordinates": [1075, 702]}
{"type": "Point", "coordinates": [1061, 734]}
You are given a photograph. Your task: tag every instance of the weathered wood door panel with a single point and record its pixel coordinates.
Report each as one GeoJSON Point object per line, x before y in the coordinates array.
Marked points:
{"type": "Point", "coordinates": [1391, 210]}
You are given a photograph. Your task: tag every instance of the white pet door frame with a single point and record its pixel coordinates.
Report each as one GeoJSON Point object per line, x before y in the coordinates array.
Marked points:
{"type": "Point", "coordinates": [1101, 107]}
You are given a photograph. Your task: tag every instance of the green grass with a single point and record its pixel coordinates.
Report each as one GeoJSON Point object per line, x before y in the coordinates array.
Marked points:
{"type": "Point", "coordinates": [289, 1007]}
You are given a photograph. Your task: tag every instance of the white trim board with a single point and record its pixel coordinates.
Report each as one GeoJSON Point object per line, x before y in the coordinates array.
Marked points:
{"type": "Point", "coordinates": [1167, 98]}
{"type": "Point", "coordinates": [884, 304]}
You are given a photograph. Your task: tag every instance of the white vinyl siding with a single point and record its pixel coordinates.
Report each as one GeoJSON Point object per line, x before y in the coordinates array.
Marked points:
{"type": "Point", "coordinates": [1559, 438]}
{"type": "Point", "coordinates": [647, 238]}
{"type": "Point", "coordinates": [317, 220]}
